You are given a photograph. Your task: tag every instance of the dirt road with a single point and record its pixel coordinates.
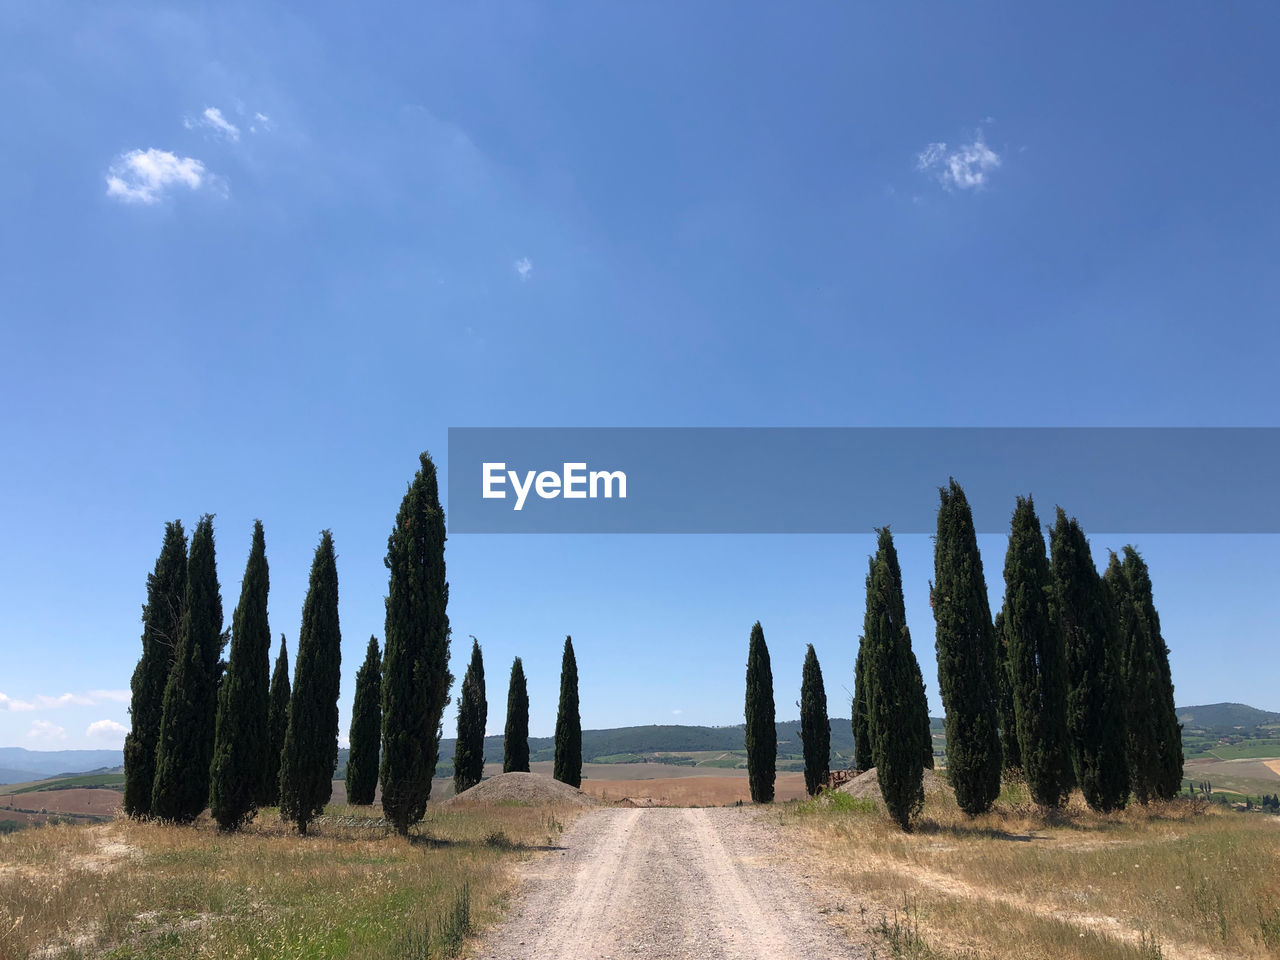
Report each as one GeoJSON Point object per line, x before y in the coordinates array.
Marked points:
{"type": "Point", "coordinates": [710, 884]}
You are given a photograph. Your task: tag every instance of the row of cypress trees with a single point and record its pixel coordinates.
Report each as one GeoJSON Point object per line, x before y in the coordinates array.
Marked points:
{"type": "Point", "coordinates": [208, 731]}
{"type": "Point", "coordinates": [205, 731]}
{"type": "Point", "coordinates": [468, 762]}
{"type": "Point", "coordinates": [1070, 682]}
{"type": "Point", "coordinates": [761, 733]}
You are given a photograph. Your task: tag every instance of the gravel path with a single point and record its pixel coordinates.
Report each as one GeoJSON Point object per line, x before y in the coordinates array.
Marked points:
{"type": "Point", "coordinates": [711, 884]}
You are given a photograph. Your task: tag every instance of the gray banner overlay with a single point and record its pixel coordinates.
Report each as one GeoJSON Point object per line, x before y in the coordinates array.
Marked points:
{"type": "Point", "coordinates": [851, 480]}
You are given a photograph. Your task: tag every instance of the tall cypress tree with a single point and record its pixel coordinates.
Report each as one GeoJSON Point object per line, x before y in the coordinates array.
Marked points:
{"type": "Point", "coordinates": [762, 731]}
{"type": "Point", "coordinates": [473, 713]}
{"type": "Point", "coordinates": [1037, 661]}
{"type": "Point", "coordinates": [967, 658]}
{"type": "Point", "coordinates": [861, 732]}
{"type": "Point", "coordinates": [1009, 748]}
{"type": "Point", "coordinates": [240, 735]}
{"type": "Point", "coordinates": [897, 711]}
{"type": "Point", "coordinates": [894, 604]}
{"type": "Point", "coordinates": [515, 738]}
{"type": "Point", "coordinates": [311, 739]}
{"type": "Point", "coordinates": [161, 623]}
{"type": "Point", "coordinates": [366, 729]}
{"type": "Point", "coordinates": [277, 725]}
{"type": "Point", "coordinates": [1154, 733]}
{"type": "Point", "coordinates": [568, 765]}
{"type": "Point", "coordinates": [185, 748]}
{"type": "Point", "coordinates": [815, 727]}
{"type": "Point", "coordinates": [415, 668]}
{"type": "Point", "coordinates": [1095, 689]}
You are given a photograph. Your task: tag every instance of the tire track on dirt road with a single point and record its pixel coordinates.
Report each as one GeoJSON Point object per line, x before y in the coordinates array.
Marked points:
{"type": "Point", "coordinates": [665, 883]}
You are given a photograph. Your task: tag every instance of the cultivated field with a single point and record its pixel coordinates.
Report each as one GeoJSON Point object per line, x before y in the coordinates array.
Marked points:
{"type": "Point", "coordinates": [150, 892]}
{"type": "Point", "coordinates": [1180, 881]}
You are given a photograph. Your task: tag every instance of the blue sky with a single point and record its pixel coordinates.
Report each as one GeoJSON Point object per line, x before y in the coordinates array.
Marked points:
{"type": "Point", "coordinates": [255, 259]}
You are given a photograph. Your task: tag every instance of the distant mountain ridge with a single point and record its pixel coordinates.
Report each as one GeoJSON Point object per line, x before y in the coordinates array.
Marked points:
{"type": "Point", "coordinates": [18, 764]}
{"type": "Point", "coordinates": [1204, 722]}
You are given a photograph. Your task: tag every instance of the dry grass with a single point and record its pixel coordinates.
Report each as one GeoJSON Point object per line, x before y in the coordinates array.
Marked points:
{"type": "Point", "coordinates": [139, 890]}
{"type": "Point", "coordinates": [690, 791]}
{"type": "Point", "coordinates": [1178, 880]}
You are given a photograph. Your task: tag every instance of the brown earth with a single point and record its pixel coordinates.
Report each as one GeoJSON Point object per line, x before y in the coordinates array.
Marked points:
{"type": "Point", "coordinates": [80, 801]}
{"type": "Point", "coordinates": [524, 788]}
{"type": "Point", "coordinates": [690, 791]}
{"type": "Point", "coordinates": [867, 785]}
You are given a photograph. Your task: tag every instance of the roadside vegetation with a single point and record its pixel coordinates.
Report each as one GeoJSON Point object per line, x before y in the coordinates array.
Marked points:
{"type": "Point", "coordinates": [1177, 879]}
{"type": "Point", "coordinates": [131, 890]}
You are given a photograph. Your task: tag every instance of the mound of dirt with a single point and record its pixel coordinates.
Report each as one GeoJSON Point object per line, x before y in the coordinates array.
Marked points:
{"type": "Point", "coordinates": [527, 788]}
{"type": "Point", "coordinates": [867, 786]}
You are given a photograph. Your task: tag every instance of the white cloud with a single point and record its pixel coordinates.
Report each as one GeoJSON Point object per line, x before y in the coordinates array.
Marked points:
{"type": "Point", "coordinates": [106, 729]}
{"type": "Point", "coordinates": [967, 167]}
{"type": "Point", "coordinates": [64, 700]}
{"type": "Point", "coordinates": [144, 176]}
{"type": "Point", "coordinates": [44, 730]}
{"type": "Point", "coordinates": [260, 122]}
{"type": "Point", "coordinates": [113, 696]}
{"type": "Point", "coordinates": [677, 711]}
{"type": "Point", "coordinates": [524, 268]}
{"type": "Point", "coordinates": [212, 119]}
{"type": "Point", "coordinates": [46, 702]}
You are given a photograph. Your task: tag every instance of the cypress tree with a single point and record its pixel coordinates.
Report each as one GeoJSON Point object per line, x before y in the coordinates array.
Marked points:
{"type": "Point", "coordinates": [861, 732]}
{"type": "Point", "coordinates": [415, 668]}
{"type": "Point", "coordinates": [568, 765]}
{"type": "Point", "coordinates": [311, 739]}
{"type": "Point", "coordinates": [1009, 748]}
{"type": "Point", "coordinates": [185, 748]}
{"type": "Point", "coordinates": [515, 739]}
{"type": "Point", "coordinates": [1037, 661]}
{"type": "Point", "coordinates": [366, 729]}
{"type": "Point", "coordinates": [161, 623]}
{"type": "Point", "coordinates": [1095, 690]}
{"type": "Point", "coordinates": [1154, 733]}
{"type": "Point", "coordinates": [895, 605]}
{"type": "Point", "coordinates": [896, 707]}
{"type": "Point", "coordinates": [240, 735]}
{"type": "Point", "coordinates": [967, 658]}
{"type": "Point", "coordinates": [761, 732]}
{"type": "Point", "coordinates": [815, 727]}
{"type": "Point", "coordinates": [277, 725]}
{"type": "Point", "coordinates": [473, 713]}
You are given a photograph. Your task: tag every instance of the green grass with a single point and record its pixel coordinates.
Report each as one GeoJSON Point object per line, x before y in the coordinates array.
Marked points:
{"type": "Point", "coordinates": [1246, 750]}
{"type": "Point", "coordinates": [143, 891]}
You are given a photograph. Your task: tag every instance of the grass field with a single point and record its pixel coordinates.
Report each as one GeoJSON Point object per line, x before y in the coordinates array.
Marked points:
{"type": "Point", "coordinates": [1245, 749]}
{"type": "Point", "coordinates": [1180, 880]}
{"type": "Point", "coordinates": [136, 891]}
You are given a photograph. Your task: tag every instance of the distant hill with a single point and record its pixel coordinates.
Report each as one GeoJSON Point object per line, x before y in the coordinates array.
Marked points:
{"type": "Point", "coordinates": [671, 743]}
{"type": "Point", "coordinates": [19, 764]}
{"type": "Point", "coordinates": [1236, 717]}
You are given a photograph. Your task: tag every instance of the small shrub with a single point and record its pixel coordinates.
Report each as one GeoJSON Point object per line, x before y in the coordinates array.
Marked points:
{"type": "Point", "coordinates": [414, 945]}
{"type": "Point", "coordinates": [456, 923]}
